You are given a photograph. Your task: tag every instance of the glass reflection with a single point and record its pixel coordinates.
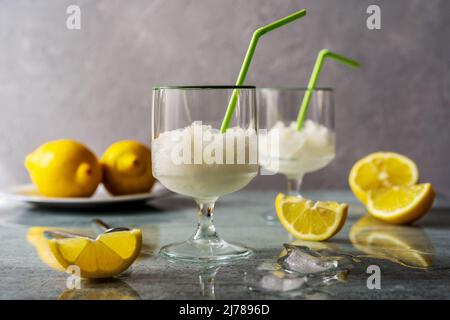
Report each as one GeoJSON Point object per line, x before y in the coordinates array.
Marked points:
{"type": "Point", "coordinates": [206, 279]}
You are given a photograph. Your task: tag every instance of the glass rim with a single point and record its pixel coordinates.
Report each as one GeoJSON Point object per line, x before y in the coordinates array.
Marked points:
{"type": "Point", "coordinates": [203, 87]}
{"type": "Point", "coordinates": [295, 89]}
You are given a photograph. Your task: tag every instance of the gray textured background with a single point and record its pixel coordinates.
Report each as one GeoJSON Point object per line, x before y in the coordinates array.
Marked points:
{"type": "Point", "coordinates": [94, 84]}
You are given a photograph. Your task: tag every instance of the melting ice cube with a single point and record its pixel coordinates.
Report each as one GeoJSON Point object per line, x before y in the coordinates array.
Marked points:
{"type": "Point", "coordinates": [281, 281]}
{"type": "Point", "coordinates": [300, 271]}
{"type": "Point", "coordinates": [303, 260]}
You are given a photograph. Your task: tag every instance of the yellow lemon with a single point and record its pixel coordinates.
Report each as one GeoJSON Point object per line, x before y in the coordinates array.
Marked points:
{"type": "Point", "coordinates": [127, 168]}
{"type": "Point", "coordinates": [106, 256]}
{"type": "Point", "coordinates": [381, 170]}
{"type": "Point", "coordinates": [406, 245]}
{"type": "Point", "coordinates": [309, 220]}
{"type": "Point", "coordinates": [401, 204]}
{"type": "Point", "coordinates": [64, 168]}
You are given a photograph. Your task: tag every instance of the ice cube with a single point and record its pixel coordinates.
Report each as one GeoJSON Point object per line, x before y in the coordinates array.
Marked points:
{"type": "Point", "coordinates": [267, 266]}
{"type": "Point", "coordinates": [303, 260]}
{"type": "Point", "coordinates": [281, 281]}
{"type": "Point", "coordinates": [321, 280]}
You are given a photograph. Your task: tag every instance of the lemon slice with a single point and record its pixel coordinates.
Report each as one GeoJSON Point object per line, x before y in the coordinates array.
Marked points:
{"type": "Point", "coordinates": [108, 255]}
{"type": "Point", "coordinates": [401, 204]}
{"type": "Point", "coordinates": [309, 220]}
{"type": "Point", "coordinates": [381, 170]}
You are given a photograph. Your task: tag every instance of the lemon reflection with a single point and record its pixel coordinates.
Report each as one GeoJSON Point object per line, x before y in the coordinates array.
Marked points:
{"type": "Point", "coordinates": [111, 289]}
{"type": "Point", "coordinates": [405, 245]}
{"type": "Point", "coordinates": [35, 236]}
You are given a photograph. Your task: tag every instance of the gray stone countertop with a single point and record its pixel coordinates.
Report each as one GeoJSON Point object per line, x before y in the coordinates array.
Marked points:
{"type": "Point", "coordinates": [414, 261]}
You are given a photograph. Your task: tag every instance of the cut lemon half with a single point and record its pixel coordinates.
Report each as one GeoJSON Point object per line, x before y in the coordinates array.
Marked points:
{"type": "Point", "coordinates": [381, 170]}
{"type": "Point", "coordinates": [106, 256]}
{"type": "Point", "coordinates": [309, 220]}
{"type": "Point", "coordinates": [401, 204]}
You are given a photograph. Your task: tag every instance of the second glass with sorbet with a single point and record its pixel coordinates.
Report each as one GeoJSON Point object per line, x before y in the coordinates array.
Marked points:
{"type": "Point", "coordinates": [292, 152]}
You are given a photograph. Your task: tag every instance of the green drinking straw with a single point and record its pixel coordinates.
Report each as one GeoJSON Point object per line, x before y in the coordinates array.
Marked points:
{"type": "Point", "coordinates": [248, 58]}
{"type": "Point", "coordinates": [324, 53]}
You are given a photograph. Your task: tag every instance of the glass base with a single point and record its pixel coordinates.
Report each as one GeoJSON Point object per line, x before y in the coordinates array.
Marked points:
{"type": "Point", "coordinates": [205, 250]}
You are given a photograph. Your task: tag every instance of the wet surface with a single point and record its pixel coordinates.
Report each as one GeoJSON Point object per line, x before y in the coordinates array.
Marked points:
{"type": "Point", "coordinates": [414, 261]}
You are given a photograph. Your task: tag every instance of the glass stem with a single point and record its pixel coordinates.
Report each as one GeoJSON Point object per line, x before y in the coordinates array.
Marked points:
{"type": "Point", "coordinates": [294, 185]}
{"type": "Point", "coordinates": [205, 228]}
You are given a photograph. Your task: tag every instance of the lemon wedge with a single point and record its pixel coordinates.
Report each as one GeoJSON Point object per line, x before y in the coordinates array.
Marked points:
{"type": "Point", "coordinates": [381, 170]}
{"type": "Point", "coordinates": [309, 220]}
{"type": "Point", "coordinates": [106, 256]}
{"type": "Point", "coordinates": [401, 204]}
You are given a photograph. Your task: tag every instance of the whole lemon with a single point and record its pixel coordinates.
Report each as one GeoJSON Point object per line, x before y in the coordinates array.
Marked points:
{"type": "Point", "coordinates": [64, 168]}
{"type": "Point", "coordinates": [127, 168]}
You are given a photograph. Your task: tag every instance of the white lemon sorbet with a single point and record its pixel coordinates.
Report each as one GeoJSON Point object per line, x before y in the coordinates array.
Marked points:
{"type": "Point", "coordinates": [200, 162]}
{"type": "Point", "coordinates": [294, 153]}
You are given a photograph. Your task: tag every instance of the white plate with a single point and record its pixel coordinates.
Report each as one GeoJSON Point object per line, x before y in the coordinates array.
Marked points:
{"type": "Point", "coordinates": [27, 193]}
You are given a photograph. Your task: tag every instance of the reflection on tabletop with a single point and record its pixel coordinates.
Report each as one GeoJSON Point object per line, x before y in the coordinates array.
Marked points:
{"type": "Point", "coordinates": [406, 245]}
{"type": "Point", "coordinates": [302, 269]}
{"type": "Point", "coordinates": [110, 289]}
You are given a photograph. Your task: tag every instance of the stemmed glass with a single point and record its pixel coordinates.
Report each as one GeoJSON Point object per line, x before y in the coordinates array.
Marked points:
{"type": "Point", "coordinates": [190, 156]}
{"type": "Point", "coordinates": [292, 152]}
